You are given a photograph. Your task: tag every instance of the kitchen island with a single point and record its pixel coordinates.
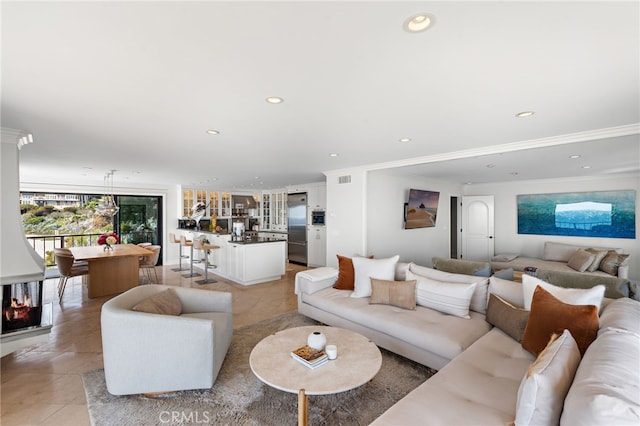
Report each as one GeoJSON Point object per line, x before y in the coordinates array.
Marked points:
{"type": "Point", "coordinates": [249, 261]}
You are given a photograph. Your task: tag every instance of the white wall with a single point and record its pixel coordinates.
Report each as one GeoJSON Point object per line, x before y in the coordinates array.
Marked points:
{"type": "Point", "coordinates": [346, 215]}
{"type": "Point", "coordinates": [507, 239]}
{"type": "Point", "coordinates": [386, 236]}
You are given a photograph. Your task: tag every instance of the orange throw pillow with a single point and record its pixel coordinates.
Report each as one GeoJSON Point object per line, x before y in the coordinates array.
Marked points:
{"type": "Point", "coordinates": [346, 273]}
{"type": "Point", "coordinates": [550, 316]}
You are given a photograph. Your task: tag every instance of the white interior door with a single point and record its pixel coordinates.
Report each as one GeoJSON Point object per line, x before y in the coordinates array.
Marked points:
{"type": "Point", "coordinates": [477, 227]}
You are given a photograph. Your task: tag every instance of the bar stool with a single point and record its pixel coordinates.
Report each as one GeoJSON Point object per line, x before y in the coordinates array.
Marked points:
{"type": "Point", "coordinates": [188, 243]}
{"type": "Point", "coordinates": [199, 244]}
{"type": "Point", "coordinates": [173, 239]}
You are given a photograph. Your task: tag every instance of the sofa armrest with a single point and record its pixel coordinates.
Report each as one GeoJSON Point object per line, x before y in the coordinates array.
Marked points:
{"type": "Point", "coordinates": [309, 287]}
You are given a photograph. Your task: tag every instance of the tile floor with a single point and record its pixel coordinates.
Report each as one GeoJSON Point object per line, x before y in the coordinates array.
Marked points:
{"type": "Point", "coordinates": [42, 384]}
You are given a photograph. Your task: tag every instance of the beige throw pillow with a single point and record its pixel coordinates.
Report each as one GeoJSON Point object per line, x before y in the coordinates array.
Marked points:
{"type": "Point", "coordinates": [396, 293]}
{"type": "Point", "coordinates": [581, 260]}
{"type": "Point", "coordinates": [166, 303]}
{"type": "Point", "coordinates": [599, 255]}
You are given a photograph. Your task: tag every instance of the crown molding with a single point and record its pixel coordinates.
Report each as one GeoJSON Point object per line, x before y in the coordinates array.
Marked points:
{"type": "Point", "coordinates": [606, 133]}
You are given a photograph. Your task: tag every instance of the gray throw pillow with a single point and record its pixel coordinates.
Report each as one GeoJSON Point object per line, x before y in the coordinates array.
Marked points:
{"type": "Point", "coordinates": [506, 317]}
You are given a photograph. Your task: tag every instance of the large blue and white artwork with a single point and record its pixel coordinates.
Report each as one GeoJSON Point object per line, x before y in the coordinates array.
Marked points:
{"type": "Point", "coordinates": [607, 214]}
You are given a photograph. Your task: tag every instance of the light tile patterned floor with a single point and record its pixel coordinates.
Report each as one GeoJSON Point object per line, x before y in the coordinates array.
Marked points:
{"type": "Point", "coordinates": [42, 385]}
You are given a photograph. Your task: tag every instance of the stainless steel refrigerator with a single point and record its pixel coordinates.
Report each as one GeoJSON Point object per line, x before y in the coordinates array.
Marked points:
{"type": "Point", "coordinates": [297, 227]}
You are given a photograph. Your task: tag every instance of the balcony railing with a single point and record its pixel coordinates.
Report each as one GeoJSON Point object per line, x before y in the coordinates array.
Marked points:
{"type": "Point", "coordinates": [44, 244]}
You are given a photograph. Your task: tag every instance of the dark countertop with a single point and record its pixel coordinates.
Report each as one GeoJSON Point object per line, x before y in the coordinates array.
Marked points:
{"type": "Point", "coordinates": [257, 240]}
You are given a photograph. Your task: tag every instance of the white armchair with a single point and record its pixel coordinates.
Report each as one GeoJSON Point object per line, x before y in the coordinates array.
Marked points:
{"type": "Point", "coordinates": [150, 353]}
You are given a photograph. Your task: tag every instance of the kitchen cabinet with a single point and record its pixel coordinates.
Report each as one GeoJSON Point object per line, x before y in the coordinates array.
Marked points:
{"type": "Point", "coordinates": [245, 263]}
{"type": "Point", "coordinates": [254, 263]}
{"type": "Point", "coordinates": [275, 235]}
{"type": "Point", "coordinates": [218, 257]}
{"type": "Point", "coordinates": [317, 196]}
{"type": "Point", "coordinates": [274, 210]}
{"type": "Point", "coordinates": [316, 246]}
{"type": "Point", "coordinates": [219, 203]}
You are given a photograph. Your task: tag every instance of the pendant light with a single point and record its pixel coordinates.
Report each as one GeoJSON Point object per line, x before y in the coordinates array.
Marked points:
{"type": "Point", "coordinates": [108, 207]}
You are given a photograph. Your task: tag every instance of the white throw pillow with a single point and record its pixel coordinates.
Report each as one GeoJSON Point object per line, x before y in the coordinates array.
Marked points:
{"type": "Point", "coordinates": [480, 297]}
{"type": "Point", "coordinates": [446, 297]}
{"type": "Point", "coordinates": [508, 290]}
{"type": "Point", "coordinates": [365, 269]}
{"type": "Point", "coordinates": [572, 296]}
{"type": "Point", "coordinates": [546, 383]}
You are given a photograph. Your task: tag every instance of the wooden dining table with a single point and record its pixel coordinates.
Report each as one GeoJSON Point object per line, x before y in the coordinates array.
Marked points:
{"type": "Point", "coordinates": [111, 271]}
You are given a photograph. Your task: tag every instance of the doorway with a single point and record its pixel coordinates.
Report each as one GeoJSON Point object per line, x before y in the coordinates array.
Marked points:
{"type": "Point", "coordinates": [477, 227]}
{"type": "Point", "coordinates": [138, 219]}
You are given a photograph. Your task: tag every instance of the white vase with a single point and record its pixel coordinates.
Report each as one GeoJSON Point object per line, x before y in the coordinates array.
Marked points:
{"type": "Point", "coordinates": [317, 340]}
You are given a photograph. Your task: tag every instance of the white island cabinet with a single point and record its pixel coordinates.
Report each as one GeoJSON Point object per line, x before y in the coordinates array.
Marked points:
{"type": "Point", "coordinates": [252, 263]}
{"type": "Point", "coordinates": [246, 262]}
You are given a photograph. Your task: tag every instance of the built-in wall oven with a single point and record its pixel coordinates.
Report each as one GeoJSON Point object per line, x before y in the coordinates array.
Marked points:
{"type": "Point", "coordinates": [317, 217]}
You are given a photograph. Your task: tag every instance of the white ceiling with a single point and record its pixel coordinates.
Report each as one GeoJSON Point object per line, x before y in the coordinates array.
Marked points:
{"type": "Point", "coordinates": [133, 86]}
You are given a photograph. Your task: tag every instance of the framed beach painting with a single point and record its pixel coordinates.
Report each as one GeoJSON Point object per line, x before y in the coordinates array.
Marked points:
{"type": "Point", "coordinates": [606, 214]}
{"type": "Point", "coordinates": [421, 210]}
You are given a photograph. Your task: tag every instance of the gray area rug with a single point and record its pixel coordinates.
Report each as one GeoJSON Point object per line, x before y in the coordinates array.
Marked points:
{"type": "Point", "coordinates": [239, 398]}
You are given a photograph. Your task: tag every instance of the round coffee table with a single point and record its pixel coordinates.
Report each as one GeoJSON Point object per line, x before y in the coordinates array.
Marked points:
{"type": "Point", "coordinates": [358, 361]}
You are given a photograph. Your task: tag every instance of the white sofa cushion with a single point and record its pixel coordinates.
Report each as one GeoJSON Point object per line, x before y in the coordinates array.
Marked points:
{"type": "Point", "coordinates": [558, 252]}
{"type": "Point", "coordinates": [573, 296]}
{"type": "Point", "coordinates": [365, 269]}
{"type": "Point", "coordinates": [480, 296]}
{"type": "Point", "coordinates": [547, 381]}
{"type": "Point", "coordinates": [444, 335]}
{"type": "Point", "coordinates": [478, 387]}
{"type": "Point", "coordinates": [605, 390]}
{"type": "Point", "coordinates": [445, 297]}
{"type": "Point", "coordinates": [622, 314]}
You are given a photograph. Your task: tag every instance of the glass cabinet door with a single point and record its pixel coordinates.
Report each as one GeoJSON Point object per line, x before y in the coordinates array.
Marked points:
{"type": "Point", "coordinates": [187, 202]}
{"type": "Point", "coordinates": [225, 204]}
{"type": "Point", "coordinates": [214, 207]}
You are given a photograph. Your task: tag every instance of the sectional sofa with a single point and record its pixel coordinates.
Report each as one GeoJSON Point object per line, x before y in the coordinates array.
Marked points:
{"type": "Point", "coordinates": [559, 257]}
{"type": "Point", "coordinates": [481, 366]}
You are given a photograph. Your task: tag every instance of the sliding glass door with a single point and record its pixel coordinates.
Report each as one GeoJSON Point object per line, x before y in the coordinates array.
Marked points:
{"type": "Point", "coordinates": [138, 219]}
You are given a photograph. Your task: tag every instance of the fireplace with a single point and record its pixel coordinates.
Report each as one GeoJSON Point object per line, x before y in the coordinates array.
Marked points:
{"type": "Point", "coordinates": [25, 319]}
{"type": "Point", "coordinates": [21, 306]}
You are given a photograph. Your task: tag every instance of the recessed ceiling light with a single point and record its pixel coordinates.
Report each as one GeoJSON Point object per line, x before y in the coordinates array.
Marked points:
{"type": "Point", "coordinates": [274, 100]}
{"type": "Point", "coordinates": [586, 167]}
{"type": "Point", "coordinates": [524, 114]}
{"type": "Point", "coordinates": [573, 157]}
{"type": "Point", "coordinates": [213, 132]}
{"type": "Point", "coordinates": [418, 23]}
{"type": "Point", "coordinates": [405, 140]}
{"type": "Point", "coordinates": [333, 155]}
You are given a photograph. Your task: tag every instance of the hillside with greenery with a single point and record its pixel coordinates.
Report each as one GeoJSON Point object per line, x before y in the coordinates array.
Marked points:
{"type": "Point", "coordinates": [47, 220]}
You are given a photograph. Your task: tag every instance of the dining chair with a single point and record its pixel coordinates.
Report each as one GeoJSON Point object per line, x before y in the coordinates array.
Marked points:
{"type": "Point", "coordinates": [68, 267]}
{"type": "Point", "coordinates": [148, 262]}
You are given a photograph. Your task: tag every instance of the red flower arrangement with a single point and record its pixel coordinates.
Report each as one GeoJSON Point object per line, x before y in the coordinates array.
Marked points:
{"type": "Point", "coordinates": [108, 239]}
